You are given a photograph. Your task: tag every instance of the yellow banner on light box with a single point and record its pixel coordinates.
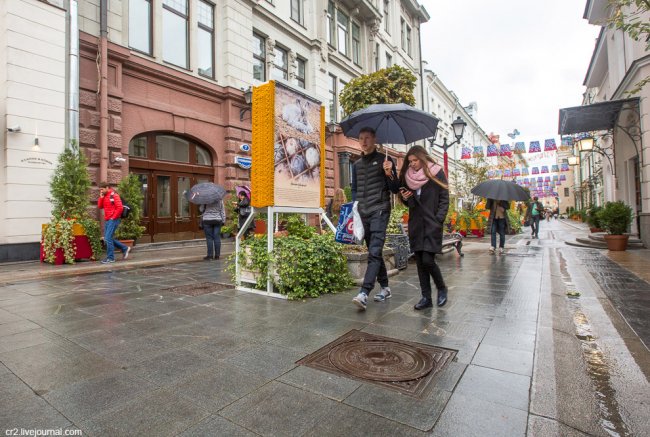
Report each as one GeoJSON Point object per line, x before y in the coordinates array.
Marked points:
{"type": "Point", "coordinates": [288, 149]}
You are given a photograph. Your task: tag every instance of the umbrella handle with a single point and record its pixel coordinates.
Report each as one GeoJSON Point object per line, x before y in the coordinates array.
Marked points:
{"type": "Point", "coordinates": [194, 195]}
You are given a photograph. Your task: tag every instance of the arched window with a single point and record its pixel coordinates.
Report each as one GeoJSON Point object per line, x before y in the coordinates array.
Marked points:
{"type": "Point", "coordinates": [169, 147]}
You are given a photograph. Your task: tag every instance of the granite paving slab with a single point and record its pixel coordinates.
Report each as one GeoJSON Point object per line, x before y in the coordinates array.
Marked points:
{"type": "Point", "coordinates": [216, 426]}
{"type": "Point", "coordinates": [504, 388]}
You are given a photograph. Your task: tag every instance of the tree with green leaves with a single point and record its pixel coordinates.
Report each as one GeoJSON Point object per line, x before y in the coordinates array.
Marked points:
{"type": "Point", "coordinates": [468, 175]}
{"type": "Point", "coordinates": [631, 16]}
{"type": "Point", "coordinates": [70, 184]}
{"type": "Point", "coordinates": [390, 85]}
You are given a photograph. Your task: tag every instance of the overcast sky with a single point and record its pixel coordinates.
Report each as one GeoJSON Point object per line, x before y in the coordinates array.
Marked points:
{"type": "Point", "coordinates": [519, 60]}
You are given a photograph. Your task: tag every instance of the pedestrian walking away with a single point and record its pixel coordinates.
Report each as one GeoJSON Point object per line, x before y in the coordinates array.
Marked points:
{"type": "Point", "coordinates": [111, 203]}
{"type": "Point", "coordinates": [214, 216]}
{"type": "Point", "coordinates": [497, 223]}
{"type": "Point", "coordinates": [374, 177]}
{"type": "Point", "coordinates": [534, 214]}
{"type": "Point", "coordinates": [424, 189]}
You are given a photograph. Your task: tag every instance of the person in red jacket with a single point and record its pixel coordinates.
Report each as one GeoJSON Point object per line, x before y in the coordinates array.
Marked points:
{"type": "Point", "coordinates": [111, 203]}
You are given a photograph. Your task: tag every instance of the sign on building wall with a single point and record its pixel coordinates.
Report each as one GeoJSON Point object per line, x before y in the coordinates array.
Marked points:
{"type": "Point", "coordinates": [288, 148]}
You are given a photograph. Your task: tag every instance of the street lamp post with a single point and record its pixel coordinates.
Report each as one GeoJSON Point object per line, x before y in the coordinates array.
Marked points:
{"type": "Point", "coordinates": [459, 128]}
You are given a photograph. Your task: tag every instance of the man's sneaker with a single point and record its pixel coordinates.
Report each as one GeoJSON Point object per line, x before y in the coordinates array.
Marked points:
{"type": "Point", "coordinates": [108, 261]}
{"type": "Point", "coordinates": [492, 249]}
{"type": "Point", "coordinates": [361, 300]}
{"type": "Point", "coordinates": [126, 253]}
{"type": "Point", "coordinates": [501, 251]}
{"type": "Point", "coordinates": [383, 294]}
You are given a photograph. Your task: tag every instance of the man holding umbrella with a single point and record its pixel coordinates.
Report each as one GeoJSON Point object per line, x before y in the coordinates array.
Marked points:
{"type": "Point", "coordinates": [374, 177]}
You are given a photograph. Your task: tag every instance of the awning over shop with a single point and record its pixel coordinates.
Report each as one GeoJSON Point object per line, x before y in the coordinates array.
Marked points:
{"type": "Point", "coordinates": [594, 117]}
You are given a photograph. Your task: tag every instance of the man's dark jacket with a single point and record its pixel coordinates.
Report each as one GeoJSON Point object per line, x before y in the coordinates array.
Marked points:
{"type": "Point", "coordinates": [370, 185]}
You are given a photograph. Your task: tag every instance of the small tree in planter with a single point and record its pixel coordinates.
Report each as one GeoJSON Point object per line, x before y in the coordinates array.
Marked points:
{"type": "Point", "coordinates": [616, 218]}
{"type": "Point", "coordinates": [593, 220]}
{"type": "Point", "coordinates": [70, 191]}
{"type": "Point", "coordinates": [130, 191]}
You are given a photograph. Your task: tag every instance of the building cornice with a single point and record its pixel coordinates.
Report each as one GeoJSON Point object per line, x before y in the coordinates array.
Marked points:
{"type": "Point", "coordinates": [631, 72]}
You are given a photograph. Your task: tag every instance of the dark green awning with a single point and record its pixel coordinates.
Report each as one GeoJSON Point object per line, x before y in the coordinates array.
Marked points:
{"type": "Point", "coordinates": [594, 117]}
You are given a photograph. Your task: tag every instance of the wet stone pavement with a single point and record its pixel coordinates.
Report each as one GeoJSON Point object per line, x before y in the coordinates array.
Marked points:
{"type": "Point", "coordinates": [126, 353]}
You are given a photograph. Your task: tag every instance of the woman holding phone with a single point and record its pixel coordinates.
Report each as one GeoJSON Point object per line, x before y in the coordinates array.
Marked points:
{"type": "Point", "coordinates": [424, 189]}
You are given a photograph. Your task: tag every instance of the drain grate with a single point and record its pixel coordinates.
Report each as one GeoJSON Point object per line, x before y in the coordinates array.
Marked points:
{"type": "Point", "coordinates": [200, 288]}
{"type": "Point", "coordinates": [403, 366]}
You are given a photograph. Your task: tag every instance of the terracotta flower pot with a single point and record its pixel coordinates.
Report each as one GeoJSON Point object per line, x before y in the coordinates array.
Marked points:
{"type": "Point", "coordinates": [616, 242]}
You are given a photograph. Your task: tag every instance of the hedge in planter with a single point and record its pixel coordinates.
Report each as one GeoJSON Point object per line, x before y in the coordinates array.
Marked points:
{"type": "Point", "coordinates": [304, 263]}
{"type": "Point", "coordinates": [615, 217]}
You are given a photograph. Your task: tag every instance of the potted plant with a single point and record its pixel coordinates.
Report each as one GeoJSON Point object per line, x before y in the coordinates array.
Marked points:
{"type": "Point", "coordinates": [130, 229]}
{"type": "Point", "coordinates": [593, 220]}
{"type": "Point", "coordinates": [72, 233]}
{"type": "Point", "coordinates": [616, 218]}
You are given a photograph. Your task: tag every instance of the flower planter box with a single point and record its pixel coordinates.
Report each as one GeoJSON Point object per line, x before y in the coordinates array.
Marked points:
{"type": "Point", "coordinates": [358, 264]}
{"type": "Point", "coordinates": [83, 250]}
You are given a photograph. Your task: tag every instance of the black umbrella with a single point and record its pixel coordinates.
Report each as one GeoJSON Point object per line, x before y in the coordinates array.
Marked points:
{"type": "Point", "coordinates": [396, 123]}
{"type": "Point", "coordinates": [205, 193]}
{"type": "Point", "coordinates": [498, 189]}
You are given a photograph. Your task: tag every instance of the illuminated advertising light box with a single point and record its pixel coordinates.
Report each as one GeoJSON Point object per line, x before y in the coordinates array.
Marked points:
{"type": "Point", "coordinates": [288, 149]}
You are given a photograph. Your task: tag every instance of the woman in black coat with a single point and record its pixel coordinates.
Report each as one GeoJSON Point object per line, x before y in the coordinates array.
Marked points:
{"type": "Point", "coordinates": [424, 190]}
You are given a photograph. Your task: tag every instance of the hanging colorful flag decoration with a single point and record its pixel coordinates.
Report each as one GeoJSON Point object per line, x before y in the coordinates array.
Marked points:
{"type": "Point", "coordinates": [564, 166]}
{"type": "Point", "coordinates": [544, 169]}
{"type": "Point", "coordinates": [465, 153]}
{"type": "Point", "coordinates": [562, 177]}
{"type": "Point", "coordinates": [534, 147]}
{"type": "Point", "coordinates": [555, 168]}
{"type": "Point", "coordinates": [555, 177]}
{"type": "Point", "coordinates": [520, 147]}
{"type": "Point", "coordinates": [505, 150]}
{"type": "Point", "coordinates": [547, 179]}
{"type": "Point", "coordinates": [549, 145]}
{"type": "Point", "coordinates": [506, 173]}
{"type": "Point", "coordinates": [497, 173]}
{"type": "Point", "coordinates": [516, 172]}
{"type": "Point", "coordinates": [492, 150]}
{"type": "Point", "coordinates": [524, 171]}
{"type": "Point", "coordinates": [540, 179]}
{"type": "Point", "coordinates": [490, 173]}
{"type": "Point", "coordinates": [535, 170]}
{"type": "Point", "coordinates": [478, 152]}
{"type": "Point", "coordinates": [566, 144]}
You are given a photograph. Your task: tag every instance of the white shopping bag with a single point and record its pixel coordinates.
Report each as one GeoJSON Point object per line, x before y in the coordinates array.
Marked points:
{"type": "Point", "coordinates": [357, 226]}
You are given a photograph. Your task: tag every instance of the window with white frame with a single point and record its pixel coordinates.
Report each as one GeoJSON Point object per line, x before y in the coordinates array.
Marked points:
{"type": "Point", "coordinates": [343, 30]}
{"type": "Point", "coordinates": [205, 38]}
{"type": "Point", "coordinates": [175, 27]}
{"type": "Point", "coordinates": [377, 66]}
{"type": "Point", "coordinates": [140, 16]}
{"type": "Point", "coordinates": [280, 64]}
{"type": "Point", "coordinates": [296, 11]}
{"type": "Point", "coordinates": [259, 57]}
{"type": "Point", "coordinates": [408, 40]}
{"type": "Point", "coordinates": [331, 23]}
{"type": "Point", "coordinates": [332, 100]}
{"type": "Point", "coordinates": [387, 16]}
{"type": "Point", "coordinates": [389, 60]}
{"type": "Point", "coordinates": [402, 27]}
{"type": "Point", "coordinates": [356, 44]}
{"type": "Point", "coordinates": [300, 72]}
{"type": "Point", "coordinates": [340, 108]}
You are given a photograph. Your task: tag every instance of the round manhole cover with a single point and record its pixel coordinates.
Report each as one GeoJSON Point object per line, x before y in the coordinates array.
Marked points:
{"type": "Point", "coordinates": [381, 360]}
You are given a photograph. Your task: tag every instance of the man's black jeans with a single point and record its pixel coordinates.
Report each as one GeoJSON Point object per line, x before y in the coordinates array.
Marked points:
{"type": "Point", "coordinates": [374, 227]}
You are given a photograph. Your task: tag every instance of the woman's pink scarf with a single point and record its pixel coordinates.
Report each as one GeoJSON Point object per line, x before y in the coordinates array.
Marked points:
{"type": "Point", "coordinates": [416, 179]}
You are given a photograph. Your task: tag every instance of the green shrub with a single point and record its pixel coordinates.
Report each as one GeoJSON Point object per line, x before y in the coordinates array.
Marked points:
{"type": "Point", "coordinates": [130, 191]}
{"type": "Point", "coordinates": [615, 217]}
{"type": "Point", "coordinates": [592, 216]}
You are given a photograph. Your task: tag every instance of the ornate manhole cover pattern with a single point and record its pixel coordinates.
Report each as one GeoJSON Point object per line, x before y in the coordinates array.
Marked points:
{"type": "Point", "coordinates": [381, 360]}
{"type": "Point", "coordinates": [200, 288]}
{"type": "Point", "coordinates": [404, 366]}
